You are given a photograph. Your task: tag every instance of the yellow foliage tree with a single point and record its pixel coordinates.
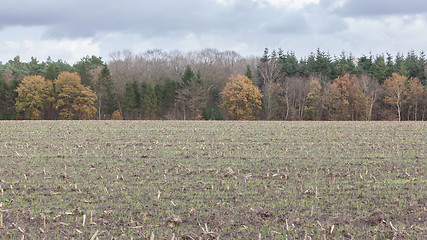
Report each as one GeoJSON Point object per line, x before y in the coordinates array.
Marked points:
{"type": "Point", "coordinates": [74, 99]}
{"type": "Point", "coordinates": [117, 115]}
{"type": "Point", "coordinates": [241, 98]}
{"type": "Point", "coordinates": [394, 89]}
{"type": "Point", "coordinates": [33, 94]}
{"type": "Point", "coordinates": [347, 99]}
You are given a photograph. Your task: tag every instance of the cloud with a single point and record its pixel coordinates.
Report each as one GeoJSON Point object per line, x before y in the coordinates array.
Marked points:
{"type": "Point", "coordinates": [31, 45]}
{"type": "Point", "coordinates": [149, 18]}
{"type": "Point", "coordinates": [377, 8]}
{"type": "Point", "coordinates": [81, 27]}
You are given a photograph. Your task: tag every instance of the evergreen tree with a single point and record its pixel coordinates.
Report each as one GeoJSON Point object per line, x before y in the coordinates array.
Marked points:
{"type": "Point", "coordinates": [248, 72]}
{"type": "Point", "coordinates": [84, 66]}
{"type": "Point", "coordinates": [188, 76]}
{"type": "Point", "coordinates": [104, 90]}
{"type": "Point", "coordinates": [148, 102]}
{"type": "Point", "coordinates": [380, 69]}
{"type": "Point", "coordinates": [131, 100]}
{"type": "Point", "coordinates": [290, 65]}
{"type": "Point", "coordinates": [166, 96]}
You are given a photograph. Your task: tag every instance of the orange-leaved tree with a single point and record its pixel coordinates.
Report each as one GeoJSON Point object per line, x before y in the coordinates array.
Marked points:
{"type": "Point", "coordinates": [74, 99]}
{"type": "Point", "coordinates": [34, 93]}
{"type": "Point", "coordinates": [347, 100]}
{"type": "Point", "coordinates": [241, 99]}
{"type": "Point", "coordinates": [394, 89]}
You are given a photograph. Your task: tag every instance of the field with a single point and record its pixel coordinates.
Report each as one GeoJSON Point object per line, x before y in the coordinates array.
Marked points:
{"type": "Point", "coordinates": [212, 180]}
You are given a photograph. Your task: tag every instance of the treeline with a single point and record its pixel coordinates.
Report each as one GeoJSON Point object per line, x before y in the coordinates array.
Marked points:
{"type": "Point", "coordinates": [175, 85]}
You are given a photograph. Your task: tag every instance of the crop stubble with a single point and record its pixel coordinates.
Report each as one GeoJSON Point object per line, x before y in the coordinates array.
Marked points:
{"type": "Point", "coordinates": [209, 180]}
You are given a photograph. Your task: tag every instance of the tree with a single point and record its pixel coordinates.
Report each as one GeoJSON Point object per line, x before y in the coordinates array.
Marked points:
{"type": "Point", "coordinates": [7, 102]}
{"type": "Point", "coordinates": [394, 89]}
{"type": "Point", "coordinates": [345, 64]}
{"type": "Point", "coordinates": [166, 97]}
{"type": "Point", "coordinates": [103, 84]}
{"type": "Point", "coordinates": [414, 95]}
{"type": "Point", "coordinates": [312, 110]}
{"type": "Point", "coordinates": [365, 65]}
{"type": "Point", "coordinates": [248, 72]}
{"type": "Point", "coordinates": [33, 95]}
{"type": "Point", "coordinates": [131, 100]}
{"type": "Point", "coordinates": [117, 115]}
{"type": "Point", "coordinates": [241, 99]}
{"type": "Point", "coordinates": [148, 100]}
{"type": "Point", "coordinates": [73, 99]}
{"type": "Point", "coordinates": [56, 68]}
{"type": "Point", "coordinates": [380, 69]}
{"type": "Point", "coordinates": [193, 94]}
{"type": "Point", "coordinates": [269, 70]}
{"type": "Point", "coordinates": [372, 90]}
{"type": "Point", "coordinates": [290, 65]}
{"type": "Point", "coordinates": [347, 100]}
{"type": "Point", "coordinates": [84, 66]}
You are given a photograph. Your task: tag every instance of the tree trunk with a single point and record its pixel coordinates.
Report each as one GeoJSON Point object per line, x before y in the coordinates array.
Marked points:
{"type": "Point", "coordinates": [99, 108]}
{"type": "Point", "coordinates": [398, 110]}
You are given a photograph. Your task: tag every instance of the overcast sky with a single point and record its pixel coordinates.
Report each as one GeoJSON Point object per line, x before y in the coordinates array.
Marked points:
{"type": "Point", "coordinates": [70, 30]}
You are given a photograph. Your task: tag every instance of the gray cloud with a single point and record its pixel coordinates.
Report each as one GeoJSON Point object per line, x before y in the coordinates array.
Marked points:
{"type": "Point", "coordinates": [103, 26]}
{"type": "Point", "coordinates": [373, 8]}
{"type": "Point", "coordinates": [82, 18]}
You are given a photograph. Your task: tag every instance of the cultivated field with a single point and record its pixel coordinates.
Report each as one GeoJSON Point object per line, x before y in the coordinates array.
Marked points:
{"type": "Point", "coordinates": [212, 180]}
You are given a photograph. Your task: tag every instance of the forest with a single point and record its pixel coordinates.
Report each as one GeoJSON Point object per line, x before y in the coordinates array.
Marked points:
{"type": "Point", "coordinates": [217, 85]}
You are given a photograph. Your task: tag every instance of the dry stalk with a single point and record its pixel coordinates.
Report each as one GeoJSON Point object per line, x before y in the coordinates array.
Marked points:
{"type": "Point", "coordinates": [136, 227]}
{"type": "Point", "coordinates": [84, 220]}
{"type": "Point", "coordinates": [316, 192]}
{"type": "Point", "coordinates": [44, 219]}
{"type": "Point", "coordinates": [152, 236]}
{"type": "Point", "coordinates": [391, 225]}
{"type": "Point", "coordinates": [318, 222]}
{"type": "Point", "coordinates": [95, 235]}
{"type": "Point", "coordinates": [90, 219]}
{"type": "Point", "coordinates": [1, 220]}
{"type": "Point", "coordinates": [287, 225]}
{"type": "Point", "coordinates": [144, 218]}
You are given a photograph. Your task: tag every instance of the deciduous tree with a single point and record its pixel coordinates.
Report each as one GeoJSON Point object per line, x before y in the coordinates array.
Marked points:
{"type": "Point", "coordinates": [313, 107]}
{"type": "Point", "coordinates": [347, 100]}
{"type": "Point", "coordinates": [269, 70]}
{"type": "Point", "coordinates": [414, 95]}
{"type": "Point", "coordinates": [394, 89]}
{"type": "Point", "coordinates": [241, 99]}
{"type": "Point", "coordinates": [33, 95]}
{"type": "Point", "coordinates": [73, 99]}
{"type": "Point", "coordinates": [372, 90]}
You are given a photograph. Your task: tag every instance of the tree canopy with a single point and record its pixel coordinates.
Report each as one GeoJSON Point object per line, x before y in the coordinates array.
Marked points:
{"type": "Point", "coordinates": [175, 85]}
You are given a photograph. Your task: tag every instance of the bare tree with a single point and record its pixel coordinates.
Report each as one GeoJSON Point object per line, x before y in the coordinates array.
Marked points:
{"type": "Point", "coordinates": [372, 89]}
{"type": "Point", "coordinates": [269, 70]}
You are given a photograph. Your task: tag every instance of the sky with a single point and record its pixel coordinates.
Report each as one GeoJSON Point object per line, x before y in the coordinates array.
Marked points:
{"type": "Point", "coordinates": [69, 30]}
